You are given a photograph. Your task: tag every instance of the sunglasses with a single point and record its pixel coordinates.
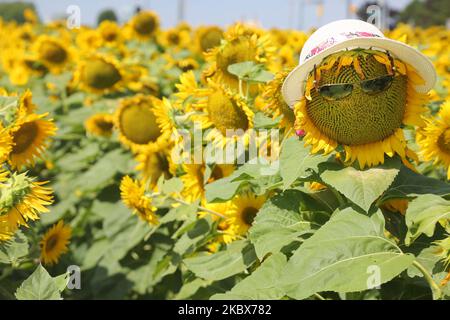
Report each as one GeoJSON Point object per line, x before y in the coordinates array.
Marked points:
{"type": "Point", "coordinates": [333, 92]}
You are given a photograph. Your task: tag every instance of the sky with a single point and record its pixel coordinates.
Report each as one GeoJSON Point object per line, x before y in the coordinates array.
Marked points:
{"type": "Point", "coordinates": [299, 14]}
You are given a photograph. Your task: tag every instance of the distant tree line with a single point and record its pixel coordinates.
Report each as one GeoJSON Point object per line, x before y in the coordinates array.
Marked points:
{"type": "Point", "coordinates": [422, 13]}
{"type": "Point", "coordinates": [14, 11]}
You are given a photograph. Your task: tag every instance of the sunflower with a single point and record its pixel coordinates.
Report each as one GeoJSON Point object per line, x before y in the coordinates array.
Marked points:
{"type": "Point", "coordinates": [243, 210]}
{"type": "Point", "coordinates": [30, 134]}
{"type": "Point", "coordinates": [54, 243]}
{"type": "Point", "coordinates": [144, 25]}
{"type": "Point", "coordinates": [88, 40]}
{"type": "Point", "coordinates": [99, 73]}
{"type": "Point", "coordinates": [207, 38]}
{"type": "Point", "coordinates": [174, 38]}
{"type": "Point", "coordinates": [187, 64]}
{"type": "Point", "coordinates": [240, 44]}
{"type": "Point", "coordinates": [26, 105]}
{"type": "Point", "coordinates": [194, 179]}
{"type": "Point", "coordinates": [110, 33]}
{"type": "Point", "coordinates": [140, 123]}
{"type": "Point", "coordinates": [154, 164]}
{"type": "Point", "coordinates": [434, 138]}
{"type": "Point", "coordinates": [367, 126]}
{"type": "Point", "coordinates": [226, 114]}
{"type": "Point", "coordinates": [6, 144]}
{"type": "Point", "coordinates": [188, 88]}
{"type": "Point", "coordinates": [133, 195]}
{"type": "Point", "coordinates": [52, 52]}
{"type": "Point", "coordinates": [227, 231]}
{"type": "Point", "coordinates": [275, 104]}
{"type": "Point", "coordinates": [100, 124]}
{"type": "Point", "coordinates": [22, 199]}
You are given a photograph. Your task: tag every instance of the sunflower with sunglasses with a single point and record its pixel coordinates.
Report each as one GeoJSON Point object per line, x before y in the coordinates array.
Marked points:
{"type": "Point", "coordinates": [360, 100]}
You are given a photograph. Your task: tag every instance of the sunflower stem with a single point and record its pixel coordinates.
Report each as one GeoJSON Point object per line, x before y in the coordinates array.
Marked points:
{"type": "Point", "coordinates": [435, 289]}
{"type": "Point", "coordinates": [241, 90]}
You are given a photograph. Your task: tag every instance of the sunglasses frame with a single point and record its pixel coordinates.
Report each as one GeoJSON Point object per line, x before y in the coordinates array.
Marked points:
{"type": "Point", "coordinates": [391, 74]}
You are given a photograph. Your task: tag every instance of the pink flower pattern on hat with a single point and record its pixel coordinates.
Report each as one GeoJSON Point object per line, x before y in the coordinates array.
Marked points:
{"type": "Point", "coordinates": [342, 36]}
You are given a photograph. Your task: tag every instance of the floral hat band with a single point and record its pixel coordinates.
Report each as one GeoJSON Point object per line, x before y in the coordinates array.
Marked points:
{"type": "Point", "coordinates": [339, 38]}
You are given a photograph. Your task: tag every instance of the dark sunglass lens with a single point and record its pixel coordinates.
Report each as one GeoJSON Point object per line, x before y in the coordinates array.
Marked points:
{"type": "Point", "coordinates": [335, 91]}
{"type": "Point", "coordinates": [376, 85]}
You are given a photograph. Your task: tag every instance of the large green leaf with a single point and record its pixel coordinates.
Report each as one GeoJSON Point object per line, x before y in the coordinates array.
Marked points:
{"type": "Point", "coordinates": [223, 264]}
{"type": "Point", "coordinates": [103, 171]}
{"type": "Point", "coordinates": [422, 215]}
{"type": "Point", "coordinates": [408, 182]}
{"type": "Point", "coordinates": [13, 250]}
{"type": "Point", "coordinates": [296, 160]}
{"type": "Point", "coordinates": [342, 255]}
{"type": "Point", "coordinates": [362, 187]}
{"type": "Point", "coordinates": [278, 223]}
{"type": "Point", "coordinates": [39, 286]}
{"type": "Point", "coordinates": [261, 284]}
{"type": "Point", "coordinates": [249, 174]}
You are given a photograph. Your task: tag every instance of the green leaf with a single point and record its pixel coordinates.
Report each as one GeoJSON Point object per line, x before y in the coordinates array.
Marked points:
{"type": "Point", "coordinates": [362, 187]}
{"type": "Point", "coordinates": [14, 249]}
{"type": "Point", "coordinates": [278, 223]}
{"type": "Point", "coordinates": [342, 256]}
{"type": "Point", "coordinates": [235, 259]}
{"type": "Point", "coordinates": [225, 189]}
{"type": "Point", "coordinates": [174, 185]}
{"type": "Point", "coordinates": [195, 236]}
{"type": "Point", "coordinates": [296, 160]}
{"type": "Point", "coordinates": [39, 286]}
{"type": "Point", "coordinates": [250, 71]}
{"type": "Point", "coordinates": [261, 121]}
{"type": "Point", "coordinates": [102, 172]}
{"type": "Point", "coordinates": [408, 182]}
{"type": "Point", "coordinates": [422, 215]}
{"type": "Point", "coordinates": [261, 284]}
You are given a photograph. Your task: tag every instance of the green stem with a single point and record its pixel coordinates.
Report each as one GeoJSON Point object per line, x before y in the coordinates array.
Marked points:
{"type": "Point", "coordinates": [241, 91]}
{"type": "Point", "coordinates": [437, 293]}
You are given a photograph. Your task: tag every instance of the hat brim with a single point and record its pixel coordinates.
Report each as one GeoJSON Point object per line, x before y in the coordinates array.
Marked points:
{"type": "Point", "coordinates": [294, 83]}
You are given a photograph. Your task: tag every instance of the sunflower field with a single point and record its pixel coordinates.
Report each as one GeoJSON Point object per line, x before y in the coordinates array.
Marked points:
{"type": "Point", "coordinates": [112, 184]}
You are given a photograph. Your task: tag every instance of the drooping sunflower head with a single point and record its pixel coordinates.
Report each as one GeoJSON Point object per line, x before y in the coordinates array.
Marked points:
{"type": "Point", "coordinates": [138, 122]}
{"type": "Point", "coordinates": [208, 38]}
{"type": "Point", "coordinates": [23, 199]}
{"type": "Point", "coordinates": [30, 134]}
{"type": "Point", "coordinates": [52, 52]}
{"type": "Point", "coordinates": [154, 164]}
{"type": "Point", "coordinates": [243, 211]}
{"type": "Point", "coordinates": [100, 124]}
{"type": "Point", "coordinates": [434, 138]}
{"type": "Point", "coordinates": [145, 24]}
{"type": "Point", "coordinates": [133, 196]}
{"type": "Point", "coordinates": [240, 44]}
{"type": "Point", "coordinates": [54, 243]}
{"type": "Point", "coordinates": [99, 73]}
{"type": "Point", "coordinates": [359, 100]}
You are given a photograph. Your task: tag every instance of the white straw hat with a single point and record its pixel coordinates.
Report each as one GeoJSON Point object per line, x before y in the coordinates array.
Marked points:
{"type": "Point", "coordinates": [347, 35]}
